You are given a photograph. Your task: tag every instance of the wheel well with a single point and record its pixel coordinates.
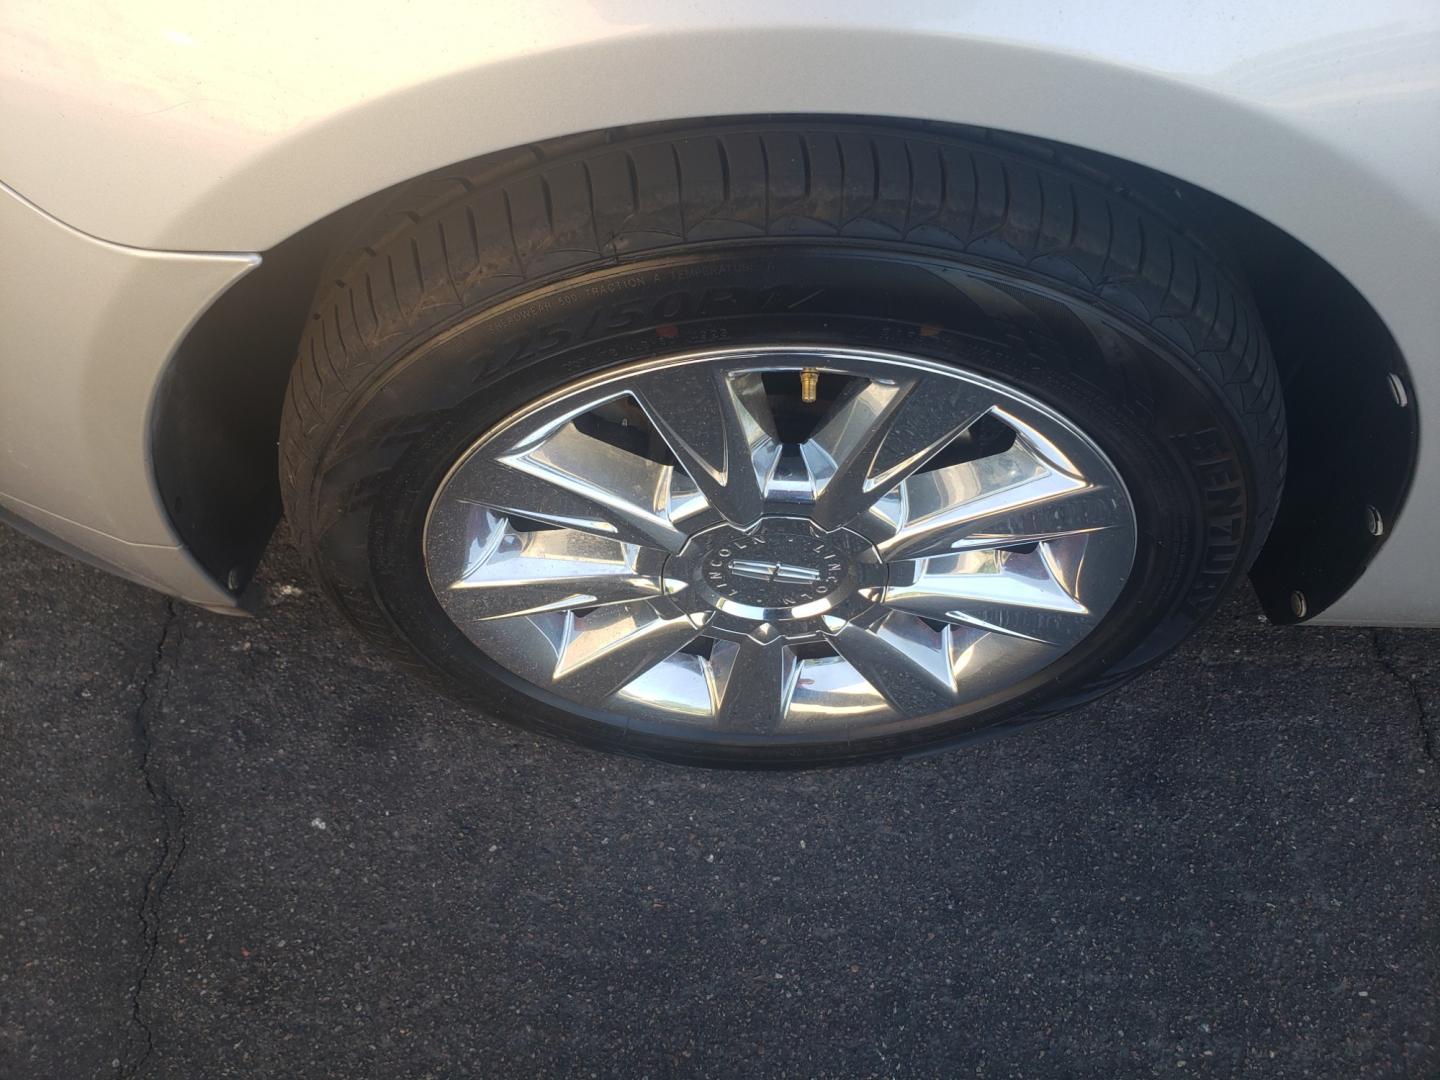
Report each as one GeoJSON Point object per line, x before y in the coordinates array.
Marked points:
{"type": "Point", "coordinates": [1352, 422]}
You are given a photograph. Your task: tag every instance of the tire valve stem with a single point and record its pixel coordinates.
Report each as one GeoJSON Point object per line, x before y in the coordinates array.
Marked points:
{"type": "Point", "coordinates": [809, 384]}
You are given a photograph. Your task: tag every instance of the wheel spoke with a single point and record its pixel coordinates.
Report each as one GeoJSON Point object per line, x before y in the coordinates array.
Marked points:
{"type": "Point", "coordinates": [831, 694]}
{"type": "Point", "coordinates": [1001, 591]}
{"type": "Point", "coordinates": [565, 477]}
{"type": "Point", "coordinates": [878, 433]}
{"type": "Point", "coordinates": [904, 659]}
{"type": "Point", "coordinates": [1083, 563]}
{"type": "Point", "coordinates": [605, 649]}
{"type": "Point", "coordinates": [1025, 494]}
{"type": "Point", "coordinates": [719, 427]}
{"type": "Point", "coordinates": [678, 685]}
{"type": "Point", "coordinates": [525, 573]}
{"type": "Point", "coordinates": [1043, 509]}
{"type": "Point", "coordinates": [753, 684]}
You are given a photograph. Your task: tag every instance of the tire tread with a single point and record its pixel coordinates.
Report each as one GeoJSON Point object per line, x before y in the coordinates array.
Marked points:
{"type": "Point", "coordinates": [473, 234]}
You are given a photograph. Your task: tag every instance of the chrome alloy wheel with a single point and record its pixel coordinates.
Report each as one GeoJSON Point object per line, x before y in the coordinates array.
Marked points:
{"type": "Point", "coordinates": [780, 543]}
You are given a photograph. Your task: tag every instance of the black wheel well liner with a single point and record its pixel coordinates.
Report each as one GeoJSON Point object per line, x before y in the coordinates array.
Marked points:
{"type": "Point", "coordinates": [1352, 416]}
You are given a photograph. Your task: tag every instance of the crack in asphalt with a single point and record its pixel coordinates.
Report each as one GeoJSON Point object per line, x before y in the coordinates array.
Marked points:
{"type": "Point", "coordinates": [171, 812]}
{"type": "Point", "coordinates": [1417, 700]}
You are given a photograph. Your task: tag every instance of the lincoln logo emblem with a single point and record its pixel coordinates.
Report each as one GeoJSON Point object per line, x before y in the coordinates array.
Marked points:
{"type": "Point", "coordinates": [773, 571]}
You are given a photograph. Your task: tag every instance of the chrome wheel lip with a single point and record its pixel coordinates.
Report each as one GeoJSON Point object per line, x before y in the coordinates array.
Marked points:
{"type": "Point", "coordinates": [664, 540]}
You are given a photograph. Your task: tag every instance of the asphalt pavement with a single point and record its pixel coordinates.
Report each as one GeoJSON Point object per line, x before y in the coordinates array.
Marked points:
{"type": "Point", "coordinates": [247, 848]}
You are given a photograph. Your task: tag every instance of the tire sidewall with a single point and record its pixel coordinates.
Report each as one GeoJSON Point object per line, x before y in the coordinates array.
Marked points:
{"type": "Point", "coordinates": [1167, 429]}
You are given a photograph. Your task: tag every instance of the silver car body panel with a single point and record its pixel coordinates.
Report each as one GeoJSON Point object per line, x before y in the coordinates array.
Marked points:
{"type": "Point", "coordinates": [88, 327]}
{"type": "Point", "coordinates": [188, 127]}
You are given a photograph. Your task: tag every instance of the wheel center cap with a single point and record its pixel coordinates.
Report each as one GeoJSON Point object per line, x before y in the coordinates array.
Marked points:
{"type": "Point", "coordinates": [775, 567]}
{"type": "Point", "coordinates": [782, 576]}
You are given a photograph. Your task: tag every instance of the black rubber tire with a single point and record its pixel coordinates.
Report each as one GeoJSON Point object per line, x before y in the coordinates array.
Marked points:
{"type": "Point", "coordinates": [476, 292]}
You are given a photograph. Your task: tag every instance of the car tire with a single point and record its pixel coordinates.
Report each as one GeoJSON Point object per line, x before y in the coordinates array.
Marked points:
{"type": "Point", "coordinates": [593, 274]}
